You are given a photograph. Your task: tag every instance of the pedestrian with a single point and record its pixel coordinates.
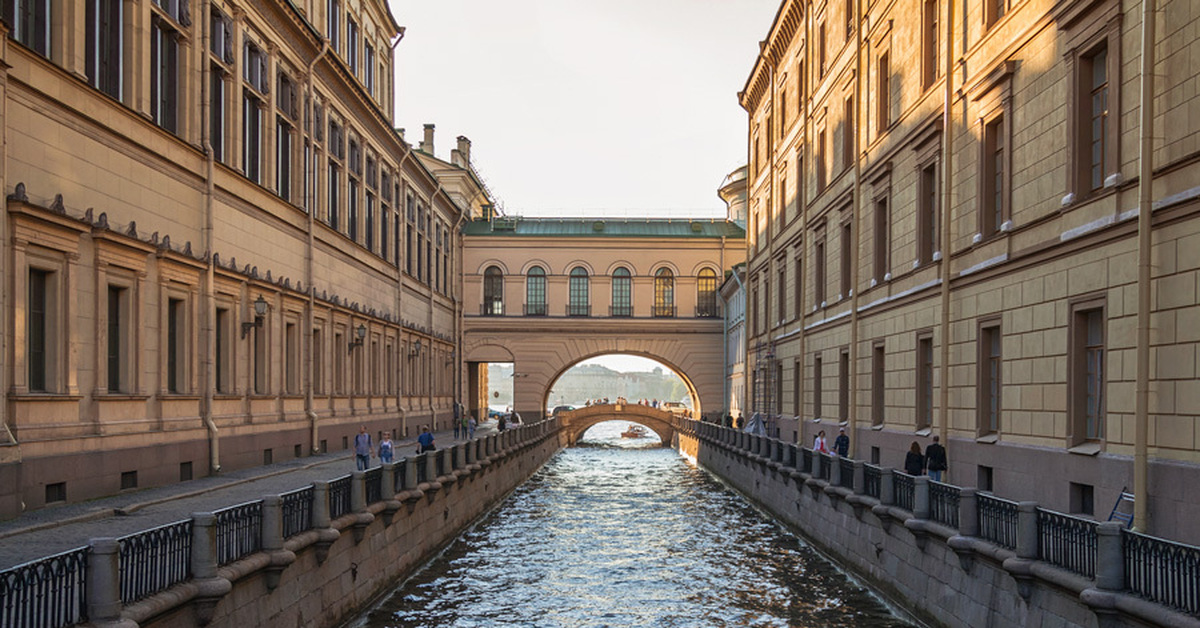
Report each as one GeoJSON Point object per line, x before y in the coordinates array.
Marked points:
{"type": "Point", "coordinates": [463, 427]}
{"type": "Point", "coordinates": [362, 448]}
{"type": "Point", "coordinates": [425, 440]}
{"type": "Point", "coordinates": [457, 428]}
{"type": "Point", "coordinates": [935, 459]}
{"type": "Point", "coordinates": [471, 424]}
{"type": "Point", "coordinates": [819, 443]}
{"type": "Point", "coordinates": [386, 451]}
{"type": "Point", "coordinates": [914, 462]}
{"type": "Point", "coordinates": [501, 422]}
{"type": "Point", "coordinates": [458, 422]}
{"type": "Point", "coordinates": [841, 444]}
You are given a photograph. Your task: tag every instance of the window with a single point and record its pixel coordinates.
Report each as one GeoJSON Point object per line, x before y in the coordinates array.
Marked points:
{"type": "Point", "coordinates": [798, 287]}
{"type": "Point", "coordinates": [817, 410]}
{"type": "Point", "coordinates": [993, 206]}
{"type": "Point", "coordinates": [369, 223]}
{"type": "Point", "coordinates": [821, 174]}
{"type": "Point", "coordinates": [128, 480]}
{"type": "Point", "coordinates": [216, 111]}
{"type": "Point", "coordinates": [339, 366]}
{"type": "Point", "coordinates": [535, 292]}
{"type": "Point", "coordinates": [622, 288]}
{"type": "Point", "coordinates": [848, 131]}
{"type": "Point", "coordinates": [883, 94]}
{"type": "Point", "coordinates": [849, 21]}
{"type": "Point", "coordinates": [164, 74]}
{"type": "Point", "coordinates": [332, 185]}
{"type": "Point", "coordinates": [221, 42]}
{"type": "Point", "coordinates": [927, 217]}
{"type": "Point", "coordinates": [821, 49]}
{"type": "Point", "coordinates": [819, 273]}
{"type": "Point", "coordinates": [797, 374]}
{"type": "Point", "coordinates": [781, 306]}
{"type": "Point", "coordinates": [493, 292]}
{"type": "Point", "coordinates": [352, 209]}
{"type": "Point", "coordinates": [847, 260]}
{"type": "Point", "coordinates": [176, 346]}
{"type": "Point", "coordinates": [844, 385]}
{"type": "Point", "coordinates": [1094, 126]}
{"type": "Point", "coordinates": [318, 359]}
{"type": "Point", "coordinates": [104, 61]}
{"type": "Point", "coordinates": [222, 365]}
{"type": "Point", "coordinates": [664, 293]}
{"type": "Point", "coordinates": [333, 25]}
{"type": "Point", "coordinates": [352, 45]}
{"type": "Point", "coordinates": [1086, 404]}
{"type": "Point", "coordinates": [994, 11]}
{"type": "Point", "coordinates": [578, 292]}
{"type": "Point", "coordinates": [252, 136]}
{"type": "Point", "coordinates": [30, 22]}
{"type": "Point", "coordinates": [118, 338]}
{"type": "Point", "coordinates": [783, 204]}
{"type": "Point", "coordinates": [988, 386]}
{"type": "Point", "coordinates": [878, 384]}
{"type": "Point", "coordinates": [1083, 499]}
{"type": "Point", "coordinates": [882, 240]}
{"type": "Point", "coordinates": [706, 293]}
{"type": "Point", "coordinates": [291, 359]}
{"type": "Point", "coordinates": [369, 69]}
{"type": "Point", "coordinates": [185, 471]}
{"type": "Point", "coordinates": [929, 43]}
{"type": "Point", "coordinates": [56, 492]}
{"type": "Point", "coordinates": [283, 158]}
{"type": "Point", "coordinates": [924, 381]}
{"type": "Point", "coordinates": [40, 330]}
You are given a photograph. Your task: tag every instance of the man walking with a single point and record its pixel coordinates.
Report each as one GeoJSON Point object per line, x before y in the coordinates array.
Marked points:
{"type": "Point", "coordinates": [935, 460]}
{"type": "Point", "coordinates": [841, 444]}
{"type": "Point", "coordinates": [362, 448]}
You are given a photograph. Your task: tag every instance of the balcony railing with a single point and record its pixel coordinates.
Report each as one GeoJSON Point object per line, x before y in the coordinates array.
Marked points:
{"type": "Point", "coordinates": [622, 311]}
{"type": "Point", "coordinates": [374, 484]}
{"type": "Point", "coordinates": [579, 309]}
{"type": "Point", "coordinates": [664, 311]}
{"type": "Point", "coordinates": [535, 309]}
{"type": "Point", "coordinates": [707, 311]}
{"type": "Point", "coordinates": [491, 308]}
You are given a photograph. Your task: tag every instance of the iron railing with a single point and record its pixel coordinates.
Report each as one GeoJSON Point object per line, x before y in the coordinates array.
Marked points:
{"type": "Point", "coordinates": [707, 310]}
{"type": "Point", "coordinates": [807, 461]}
{"type": "Point", "coordinates": [535, 309]}
{"type": "Point", "coordinates": [904, 490]}
{"type": "Point", "coordinates": [154, 560]}
{"type": "Point", "coordinates": [664, 311]}
{"type": "Point", "coordinates": [439, 462]}
{"type": "Point", "coordinates": [49, 592]}
{"type": "Point", "coordinates": [374, 482]}
{"type": "Point", "coordinates": [1162, 571]}
{"type": "Point", "coordinates": [847, 473]}
{"type": "Point", "coordinates": [579, 309]}
{"type": "Point", "coordinates": [871, 477]}
{"type": "Point", "coordinates": [1067, 542]}
{"type": "Point", "coordinates": [491, 308]}
{"type": "Point", "coordinates": [943, 503]}
{"type": "Point", "coordinates": [422, 471]}
{"type": "Point", "coordinates": [339, 497]}
{"type": "Point", "coordinates": [826, 466]}
{"type": "Point", "coordinates": [399, 473]}
{"type": "Point", "coordinates": [997, 520]}
{"type": "Point", "coordinates": [621, 311]}
{"type": "Point", "coordinates": [297, 511]}
{"type": "Point", "coordinates": [239, 531]}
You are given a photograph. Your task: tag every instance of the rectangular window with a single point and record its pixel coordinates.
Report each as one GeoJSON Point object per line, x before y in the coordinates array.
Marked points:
{"type": "Point", "coordinates": [817, 410]}
{"type": "Point", "coordinates": [185, 471]}
{"type": "Point", "coordinates": [1086, 375]}
{"type": "Point", "coordinates": [929, 43]}
{"type": "Point", "coordinates": [782, 292]}
{"type": "Point", "coordinates": [176, 346]}
{"type": "Point", "coordinates": [988, 385]}
{"type": "Point", "coordinates": [822, 54]}
{"type": "Point", "coordinates": [352, 210]}
{"type": "Point", "coordinates": [848, 132]}
{"type": "Point", "coordinates": [291, 362]}
{"type": "Point", "coordinates": [104, 62]}
{"type": "Point", "coordinates": [882, 240]}
{"type": "Point", "coordinates": [369, 69]}
{"type": "Point", "coordinates": [56, 492]}
{"type": "Point", "coordinates": [783, 204]}
{"type": "Point", "coordinates": [216, 111]}
{"type": "Point", "coordinates": [352, 45]}
{"type": "Point", "coordinates": [223, 333]}
{"type": "Point", "coordinates": [318, 359]}
{"type": "Point", "coordinates": [128, 480]}
{"type": "Point", "coordinates": [39, 330]}
{"type": "Point", "coordinates": [261, 359]}
{"type": "Point", "coordinates": [254, 67]}
{"type": "Point", "coordinates": [30, 22]}
{"type": "Point", "coordinates": [164, 74]}
{"type": "Point", "coordinates": [252, 136]}
{"type": "Point", "coordinates": [369, 223]}
{"type": "Point", "coordinates": [333, 24]}
{"type": "Point", "coordinates": [819, 274]}
{"type": "Point", "coordinates": [821, 174]}
{"type": "Point", "coordinates": [283, 158]}
{"type": "Point", "coordinates": [994, 11]}
{"type": "Point", "coordinates": [1095, 117]}
{"type": "Point", "coordinates": [883, 94]}
{"type": "Point", "coordinates": [332, 186]}
{"type": "Point", "coordinates": [924, 382]}
{"type": "Point", "coordinates": [339, 364]}
{"type": "Point", "coordinates": [844, 385]}
{"type": "Point", "coordinates": [878, 384]}
{"type": "Point", "coordinates": [797, 372]}
{"type": "Point", "coordinates": [847, 260]}
{"type": "Point", "coordinates": [117, 332]}
{"type": "Point", "coordinates": [992, 207]}
{"type": "Point", "coordinates": [927, 218]}
{"type": "Point", "coordinates": [221, 42]}
{"type": "Point", "coordinates": [798, 287]}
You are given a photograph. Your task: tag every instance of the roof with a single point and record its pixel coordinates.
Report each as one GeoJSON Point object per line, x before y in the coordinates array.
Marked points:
{"type": "Point", "coordinates": [601, 227]}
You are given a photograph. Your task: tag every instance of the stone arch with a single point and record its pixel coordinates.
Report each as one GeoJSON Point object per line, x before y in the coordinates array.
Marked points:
{"type": "Point", "coordinates": [688, 382]}
{"type": "Point", "coordinates": [535, 262]}
{"type": "Point", "coordinates": [627, 265]}
{"type": "Point", "coordinates": [703, 265]}
{"type": "Point", "coordinates": [573, 264]}
{"type": "Point", "coordinates": [488, 352]}
{"type": "Point", "coordinates": [576, 422]}
{"type": "Point", "coordinates": [667, 264]}
{"type": "Point", "coordinates": [493, 262]}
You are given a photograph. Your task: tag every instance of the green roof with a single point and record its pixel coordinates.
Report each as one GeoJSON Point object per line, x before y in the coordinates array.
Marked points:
{"type": "Point", "coordinates": [602, 227]}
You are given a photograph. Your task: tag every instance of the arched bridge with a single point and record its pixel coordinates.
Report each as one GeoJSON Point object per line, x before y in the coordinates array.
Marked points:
{"type": "Point", "coordinates": [576, 422]}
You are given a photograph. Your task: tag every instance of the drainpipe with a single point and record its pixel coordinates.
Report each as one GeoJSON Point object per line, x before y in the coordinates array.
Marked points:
{"type": "Point", "coordinates": [401, 217]}
{"type": "Point", "coordinates": [208, 379]}
{"type": "Point", "coordinates": [947, 189]}
{"type": "Point", "coordinates": [855, 228]}
{"type": "Point", "coordinates": [803, 274]}
{"type": "Point", "coordinates": [1145, 189]}
{"type": "Point", "coordinates": [456, 295]}
{"type": "Point", "coordinates": [429, 368]}
{"type": "Point", "coordinates": [725, 370]}
{"type": "Point", "coordinates": [310, 243]}
{"type": "Point", "coordinates": [5, 316]}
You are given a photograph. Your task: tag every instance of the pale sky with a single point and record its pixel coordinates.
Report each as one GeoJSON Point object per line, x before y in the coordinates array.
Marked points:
{"type": "Point", "coordinates": [585, 107]}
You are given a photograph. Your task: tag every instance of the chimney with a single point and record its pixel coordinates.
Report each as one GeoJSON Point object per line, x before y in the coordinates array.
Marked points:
{"type": "Point", "coordinates": [427, 143]}
{"type": "Point", "coordinates": [400, 132]}
{"type": "Point", "coordinates": [464, 147]}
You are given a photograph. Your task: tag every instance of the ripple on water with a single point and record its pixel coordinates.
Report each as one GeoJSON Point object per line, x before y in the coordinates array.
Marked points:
{"type": "Point", "coordinates": [614, 535]}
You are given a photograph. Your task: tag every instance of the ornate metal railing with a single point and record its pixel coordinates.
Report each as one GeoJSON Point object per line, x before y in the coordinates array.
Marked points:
{"type": "Point", "coordinates": [826, 461]}
{"type": "Point", "coordinates": [997, 520]}
{"type": "Point", "coordinates": [904, 490]}
{"type": "Point", "coordinates": [339, 497]}
{"type": "Point", "coordinates": [439, 462]}
{"type": "Point", "coordinates": [1162, 571]}
{"type": "Point", "coordinates": [871, 477]}
{"type": "Point", "coordinates": [422, 471]}
{"type": "Point", "coordinates": [239, 531]}
{"type": "Point", "coordinates": [297, 511]}
{"type": "Point", "coordinates": [49, 592]}
{"type": "Point", "coordinates": [1067, 542]}
{"type": "Point", "coordinates": [399, 472]}
{"type": "Point", "coordinates": [807, 461]}
{"type": "Point", "coordinates": [154, 560]}
{"type": "Point", "coordinates": [374, 482]}
{"type": "Point", "coordinates": [943, 503]}
{"type": "Point", "coordinates": [847, 473]}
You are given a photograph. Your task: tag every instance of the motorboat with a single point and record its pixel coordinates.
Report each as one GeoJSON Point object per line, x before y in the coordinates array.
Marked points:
{"type": "Point", "coordinates": [634, 431]}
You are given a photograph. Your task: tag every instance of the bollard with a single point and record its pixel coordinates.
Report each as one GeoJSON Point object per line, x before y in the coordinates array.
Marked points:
{"type": "Point", "coordinates": [1110, 557]}
{"type": "Point", "coordinates": [860, 478]}
{"type": "Point", "coordinates": [887, 490]}
{"type": "Point", "coordinates": [1027, 530]}
{"type": "Point", "coordinates": [358, 491]}
{"type": "Point", "coordinates": [921, 497]}
{"type": "Point", "coordinates": [104, 581]}
{"type": "Point", "coordinates": [320, 505]}
{"type": "Point", "coordinates": [272, 523]}
{"type": "Point", "coordinates": [968, 512]}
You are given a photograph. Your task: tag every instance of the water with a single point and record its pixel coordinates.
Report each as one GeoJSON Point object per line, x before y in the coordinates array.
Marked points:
{"type": "Point", "coordinates": [619, 533]}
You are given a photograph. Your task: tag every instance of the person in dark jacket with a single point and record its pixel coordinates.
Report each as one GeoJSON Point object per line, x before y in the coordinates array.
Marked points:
{"type": "Point", "coordinates": [935, 459]}
{"type": "Point", "coordinates": [841, 444]}
{"type": "Point", "coordinates": [914, 462]}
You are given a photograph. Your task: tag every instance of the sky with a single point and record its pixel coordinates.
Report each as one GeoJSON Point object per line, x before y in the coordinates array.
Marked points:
{"type": "Point", "coordinates": [620, 108]}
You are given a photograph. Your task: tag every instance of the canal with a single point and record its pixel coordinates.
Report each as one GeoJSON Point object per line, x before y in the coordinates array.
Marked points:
{"type": "Point", "coordinates": [621, 532]}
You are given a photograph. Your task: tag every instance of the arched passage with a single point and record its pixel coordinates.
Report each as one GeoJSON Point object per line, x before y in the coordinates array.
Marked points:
{"type": "Point", "coordinates": [646, 365]}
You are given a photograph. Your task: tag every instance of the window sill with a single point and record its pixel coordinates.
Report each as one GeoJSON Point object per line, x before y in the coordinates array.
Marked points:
{"type": "Point", "coordinates": [118, 396]}
{"type": "Point", "coordinates": [167, 396]}
{"type": "Point", "coordinates": [1090, 448]}
{"type": "Point", "coordinates": [878, 427]}
{"type": "Point", "coordinates": [44, 397]}
{"type": "Point", "coordinates": [925, 431]}
{"type": "Point", "coordinates": [988, 439]}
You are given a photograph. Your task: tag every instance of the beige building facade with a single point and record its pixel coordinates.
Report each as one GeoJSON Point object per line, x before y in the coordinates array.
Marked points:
{"type": "Point", "coordinates": [943, 239]}
{"type": "Point", "coordinates": [217, 252]}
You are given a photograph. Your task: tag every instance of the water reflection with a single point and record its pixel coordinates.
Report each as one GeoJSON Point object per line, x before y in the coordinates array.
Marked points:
{"type": "Point", "coordinates": [622, 532]}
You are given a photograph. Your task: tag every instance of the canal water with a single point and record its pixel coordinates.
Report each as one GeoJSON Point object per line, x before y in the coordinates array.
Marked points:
{"type": "Point", "coordinates": [620, 532]}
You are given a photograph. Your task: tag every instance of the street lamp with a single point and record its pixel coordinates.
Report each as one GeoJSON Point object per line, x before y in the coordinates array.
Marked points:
{"type": "Point", "coordinates": [260, 310]}
{"type": "Point", "coordinates": [415, 349]}
{"type": "Point", "coordinates": [361, 332]}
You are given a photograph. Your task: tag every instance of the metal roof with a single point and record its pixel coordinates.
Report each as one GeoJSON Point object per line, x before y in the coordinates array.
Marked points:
{"type": "Point", "coordinates": [601, 227]}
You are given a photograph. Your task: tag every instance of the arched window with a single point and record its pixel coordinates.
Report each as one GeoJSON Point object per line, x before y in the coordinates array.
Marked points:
{"type": "Point", "coordinates": [493, 292]}
{"type": "Point", "coordinates": [664, 293]}
{"type": "Point", "coordinates": [578, 292]}
{"type": "Point", "coordinates": [706, 293]}
{"type": "Point", "coordinates": [535, 292]}
{"type": "Point", "coordinates": [622, 289]}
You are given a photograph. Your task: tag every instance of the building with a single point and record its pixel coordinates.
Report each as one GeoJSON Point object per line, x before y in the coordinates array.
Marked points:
{"type": "Point", "coordinates": [217, 250]}
{"type": "Point", "coordinates": [944, 240]}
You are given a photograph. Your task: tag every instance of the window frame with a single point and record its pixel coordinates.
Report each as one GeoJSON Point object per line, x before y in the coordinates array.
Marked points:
{"type": "Point", "coordinates": [493, 291]}
{"type": "Point", "coordinates": [535, 291]}
{"type": "Point", "coordinates": [926, 369]}
{"type": "Point", "coordinates": [989, 382]}
{"type": "Point", "coordinates": [1077, 371]}
{"type": "Point", "coordinates": [664, 293]}
{"type": "Point", "coordinates": [579, 292]}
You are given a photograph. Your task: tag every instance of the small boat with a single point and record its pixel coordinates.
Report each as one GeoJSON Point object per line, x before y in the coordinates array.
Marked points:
{"type": "Point", "coordinates": [634, 431]}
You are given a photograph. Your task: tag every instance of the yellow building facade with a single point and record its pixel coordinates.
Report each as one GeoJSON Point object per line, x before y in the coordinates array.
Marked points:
{"type": "Point", "coordinates": [943, 240]}
{"type": "Point", "coordinates": [217, 251]}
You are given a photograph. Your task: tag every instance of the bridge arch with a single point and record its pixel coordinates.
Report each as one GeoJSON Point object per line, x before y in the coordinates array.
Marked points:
{"type": "Point", "coordinates": [692, 392]}
{"type": "Point", "coordinates": [576, 422]}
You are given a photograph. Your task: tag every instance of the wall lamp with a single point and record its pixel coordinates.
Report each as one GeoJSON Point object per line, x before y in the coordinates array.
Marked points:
{"type": "Point", "coordinates": [260, 310]}
{"type": "Point", "coordinates": [415, 349]}
{"type": "Point", "coordinates": [361, 333]}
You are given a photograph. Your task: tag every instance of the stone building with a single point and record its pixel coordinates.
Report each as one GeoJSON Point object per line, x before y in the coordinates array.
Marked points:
{"type": "Point", "coordinates": [217, 251]}
{"type": "Point", "coordinates": [944, 240]}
